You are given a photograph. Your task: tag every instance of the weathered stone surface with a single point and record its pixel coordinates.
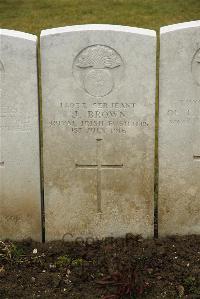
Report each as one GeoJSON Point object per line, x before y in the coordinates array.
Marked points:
{"type": "Point", "coordinates": [19, 137]}
{"type": "Point", "coordinates": [179, 142]}
{"type": "Point", "coordinates": [98, 85]}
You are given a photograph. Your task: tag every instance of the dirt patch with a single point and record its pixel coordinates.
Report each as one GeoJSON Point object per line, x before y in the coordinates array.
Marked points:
{"type": "Point", "coordinates": [132, 267]}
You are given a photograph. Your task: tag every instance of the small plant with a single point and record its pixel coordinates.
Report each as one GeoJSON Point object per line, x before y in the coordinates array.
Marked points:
{"type": "Point", "coordinates": [63, 260]}
{"type": "Point", "coordinates": [10, 252]}
{"type": "Point", "coordinates": [192, 285]}
{"type": "Point", "coordinates": [77, 262]}
{"type": "Point", "coordinates": [66, 260]}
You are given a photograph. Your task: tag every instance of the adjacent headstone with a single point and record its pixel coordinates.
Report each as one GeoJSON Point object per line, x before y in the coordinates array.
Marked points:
{"type": "Point", "coordinates": [179, 132]}
{"type": "Point", "coordinates": [20, 213]}
{"type": "Point", "coordinates": [98, 85]}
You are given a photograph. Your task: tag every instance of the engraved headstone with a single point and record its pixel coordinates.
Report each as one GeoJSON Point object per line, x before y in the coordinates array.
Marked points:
{"type": "Point", "coordinates": [20, 213]}
{"type": "Point", "coordinates": [179, 133]}
{"type": "Point", "coordinates": [98, 85]}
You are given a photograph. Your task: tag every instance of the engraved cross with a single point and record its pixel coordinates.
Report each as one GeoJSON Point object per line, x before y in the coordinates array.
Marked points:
{"type": "Point", "coordinates": [99, 167]}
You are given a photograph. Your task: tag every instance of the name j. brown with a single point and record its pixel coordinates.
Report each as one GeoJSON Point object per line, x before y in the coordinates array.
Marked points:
{"type": "Point", "coordinates": [101, 114]}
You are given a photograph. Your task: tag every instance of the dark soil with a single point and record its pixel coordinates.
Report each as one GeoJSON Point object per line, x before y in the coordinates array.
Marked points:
{"type": "Point", "coordinates": [132, 267]}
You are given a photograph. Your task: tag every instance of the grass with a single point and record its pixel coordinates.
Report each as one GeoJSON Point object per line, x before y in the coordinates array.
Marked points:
{"type": "Point", "coordinates": [34, 15]}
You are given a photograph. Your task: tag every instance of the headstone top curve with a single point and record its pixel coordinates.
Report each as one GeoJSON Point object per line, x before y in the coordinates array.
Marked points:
{"type": "Point", "coordinates": [18, 34]}
{"type": "Point", "coordinates": [100, 27]}
{"type": "Point", "coordinates": [179, 26]}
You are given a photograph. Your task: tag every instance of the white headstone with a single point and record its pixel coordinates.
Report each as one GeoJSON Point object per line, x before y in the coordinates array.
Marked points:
{"type": "Point", "coordinates": [98, 85]}
{"type": "Point", "coordinates": [20, 213]}
{"type": "Point", "coordinates": [179, 132]}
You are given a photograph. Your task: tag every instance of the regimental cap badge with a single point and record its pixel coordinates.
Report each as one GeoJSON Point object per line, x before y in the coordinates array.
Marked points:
{"type": "Point", "coordinates": [99, 57]}
{"type": "Point", "coordinates": [97, 69]}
